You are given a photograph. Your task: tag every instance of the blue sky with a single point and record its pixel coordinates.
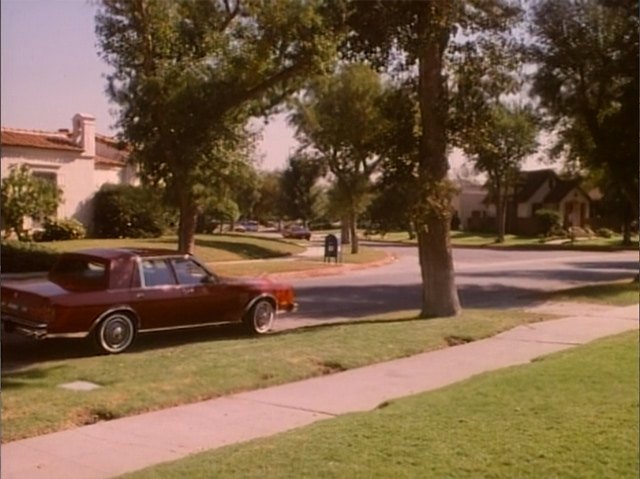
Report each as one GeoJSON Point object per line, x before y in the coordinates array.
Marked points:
{"type": "Point", "coordinates": [51, 70]}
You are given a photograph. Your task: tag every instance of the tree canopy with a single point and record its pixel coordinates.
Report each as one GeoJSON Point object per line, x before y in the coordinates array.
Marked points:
{"type": "Point", "coordinates": [298, 185]}
{"type": "Point", "coordinates": [188, 74]}
{"type": "Point", "coordinates": [587, 80]}
{"type": "Point", "coordinates": [507, 136]}
{"type": "Point", "coordinates": [341, 118]}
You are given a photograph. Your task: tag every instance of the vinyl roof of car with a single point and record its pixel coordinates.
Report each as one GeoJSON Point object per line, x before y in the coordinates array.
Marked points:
{"type": "Point", "coordinates": [121, 253]}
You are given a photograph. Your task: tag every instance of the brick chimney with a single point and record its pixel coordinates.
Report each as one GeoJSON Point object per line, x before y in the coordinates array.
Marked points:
{"type": "Point", "coordinates": [84, 133]}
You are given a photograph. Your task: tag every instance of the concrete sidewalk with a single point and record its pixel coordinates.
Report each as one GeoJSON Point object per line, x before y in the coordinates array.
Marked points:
{"type": "Point", "coordinates": [111, 448]}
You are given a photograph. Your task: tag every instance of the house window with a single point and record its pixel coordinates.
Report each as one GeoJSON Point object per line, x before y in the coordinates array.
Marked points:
{"type": "Point", "coordinates": [46, 176]}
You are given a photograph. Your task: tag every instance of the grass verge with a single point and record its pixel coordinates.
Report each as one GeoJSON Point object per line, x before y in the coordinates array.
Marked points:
{"type": "Point", "coordinates": [571, 415]}
{"type": "Point", "coordinates": [467, 239]}
{"type": "Point", "coordinates": [155, 375]}
{"type": "Point", "coordinates": [209, 248]}
{"type": "Point", "coordinates": [612, 294]}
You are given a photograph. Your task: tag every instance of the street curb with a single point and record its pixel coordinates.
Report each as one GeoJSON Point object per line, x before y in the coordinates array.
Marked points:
{"type": "Point", "coordinates": [338, 269]}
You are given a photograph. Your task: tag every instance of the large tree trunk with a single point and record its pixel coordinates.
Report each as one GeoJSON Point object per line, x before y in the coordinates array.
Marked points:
{"type": "Point", "coordinates": [501, 214]}
{"type": "Point", "coordinates": [626, 224]}
{"type": "Point", "coordinates": [353, 226]}
{"type": "Point", "coordinates": [439, 294]}
{"type": "Point", "coordinates": [187, 226]}
{"type": "Point", "coordinates": [345, 230]}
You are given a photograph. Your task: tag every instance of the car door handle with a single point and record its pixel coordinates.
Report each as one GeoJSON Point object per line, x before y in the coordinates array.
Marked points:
{"type": "Point", "coordinates": [189, 290]}
{"type": "Point", "coordinates": [139, 295]}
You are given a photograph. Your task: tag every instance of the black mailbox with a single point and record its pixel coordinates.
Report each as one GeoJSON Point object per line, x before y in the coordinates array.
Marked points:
{"type": "Point", "coordinates": [331, 248]}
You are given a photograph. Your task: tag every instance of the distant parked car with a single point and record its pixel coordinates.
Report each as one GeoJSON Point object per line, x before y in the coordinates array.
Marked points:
{"type": "Point", "coordinates": [247, 226]}
{"type": "Point", "coordinates": [297, 232]}
{"type": "Point", "coordinates": [111, 295]}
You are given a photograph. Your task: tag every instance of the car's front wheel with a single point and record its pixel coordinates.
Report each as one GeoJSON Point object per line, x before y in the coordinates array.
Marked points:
{"type": "Point", "coordinates": [260, 318]}
{"type": "Point", "coordinates": [115, 333]}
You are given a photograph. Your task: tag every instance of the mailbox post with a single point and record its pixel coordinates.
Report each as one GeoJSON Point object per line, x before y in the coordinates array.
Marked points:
{"type": "Point", "coordinates": [331, 249]}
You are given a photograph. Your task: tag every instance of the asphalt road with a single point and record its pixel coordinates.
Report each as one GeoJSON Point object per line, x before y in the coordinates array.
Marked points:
{"type": "Point", "coordinates": [485, 278]}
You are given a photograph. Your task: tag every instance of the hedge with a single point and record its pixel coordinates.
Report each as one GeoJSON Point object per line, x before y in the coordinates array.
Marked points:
{"type": "Point", "coordinates": [25, 257]}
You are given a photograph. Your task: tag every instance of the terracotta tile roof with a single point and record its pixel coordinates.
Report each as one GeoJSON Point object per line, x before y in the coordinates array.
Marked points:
{"type": "Point", "coordinates": [111, 141]}
{"type": "Point", "coordinates": [107, 162]}
{"type": "Point", "coordinates": [37, 139]}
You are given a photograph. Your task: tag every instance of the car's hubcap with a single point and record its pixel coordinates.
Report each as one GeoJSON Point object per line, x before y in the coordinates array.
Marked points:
{"type": "Point", "coordinates": [117, 333]}
{"type": "Point", "coordinates": [263, 317]}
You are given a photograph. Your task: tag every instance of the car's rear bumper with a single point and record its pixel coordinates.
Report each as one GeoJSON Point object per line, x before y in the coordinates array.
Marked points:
{"type": "Point", "coordinates": [25, 327]}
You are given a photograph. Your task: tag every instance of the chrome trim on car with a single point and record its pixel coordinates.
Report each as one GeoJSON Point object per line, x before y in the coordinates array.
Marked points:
{"type": "Point", "coordinates": [68, 335]}
{"type": "Point", "coordinates": [186, 326]}
{"type": "Point", "coordinates": [292, 308]}
{"type": "Point", "coordinates": [24, 326]}
{"type": "Point", "coordinates": [138, 261]}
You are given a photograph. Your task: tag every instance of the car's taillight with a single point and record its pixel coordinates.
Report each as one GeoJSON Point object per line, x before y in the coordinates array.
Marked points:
{"type": "Point", "coordinates": [44, 313]}
{"type": "Point", "coordinates": [285, 297]}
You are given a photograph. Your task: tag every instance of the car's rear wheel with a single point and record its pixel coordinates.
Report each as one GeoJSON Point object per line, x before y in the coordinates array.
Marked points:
{"type": "Point", "coordinates": [115, 333]}
{"type": "Point", "coordinates": [260, 318]}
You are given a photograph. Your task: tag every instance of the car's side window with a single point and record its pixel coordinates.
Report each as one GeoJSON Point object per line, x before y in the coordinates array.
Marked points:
{"type": "Point", "coordinates": [188, 271]}
{"type": "Point", "coordinates": [157, 272]}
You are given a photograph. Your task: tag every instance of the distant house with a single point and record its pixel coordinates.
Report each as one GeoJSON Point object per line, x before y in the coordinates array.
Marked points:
{"type": "Point", "coordinates": [535, 190]}
{"type": "Point", "coordinates": [468, 203]}
{"type": "Point", "coordinates": [78, 161]}
{"type": "Point", "coordinates": [545, 189]}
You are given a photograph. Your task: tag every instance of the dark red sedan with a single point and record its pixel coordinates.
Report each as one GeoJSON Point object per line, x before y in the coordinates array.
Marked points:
{"type": "Point", "coordinates": [113, 294]}
{"type": "Point", "coordinates": [297, 232]}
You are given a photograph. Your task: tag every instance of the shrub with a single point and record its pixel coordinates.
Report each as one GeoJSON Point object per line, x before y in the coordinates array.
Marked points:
{"type": "Point", "coordinates": [125, 211]}
{"type": "Point", "coordinates": [23, 257]}
{"type": "Point", "coordinates": [25, 195]}
{"type": "Point", "coordinates": [550, 221]}
{"type": "Point", "coordinates": [605, 233]}
{"type": "Point", "coordinates": [61, 230]}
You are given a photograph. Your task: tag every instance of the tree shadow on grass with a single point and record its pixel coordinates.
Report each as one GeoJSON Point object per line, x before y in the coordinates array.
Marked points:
{"type": "Point", "coordinates": [20, 379]}
{"type": "Point", "coordinates": [19, 352]}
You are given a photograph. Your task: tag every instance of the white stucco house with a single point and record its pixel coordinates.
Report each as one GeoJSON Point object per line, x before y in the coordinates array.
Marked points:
{"type": "Point", "coordinates": [468, 202]}
{"type": "Point", "coordinates": [79, 161]}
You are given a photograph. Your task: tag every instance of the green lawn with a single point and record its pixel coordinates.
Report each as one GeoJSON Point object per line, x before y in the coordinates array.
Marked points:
{"type": "Point", "coordinates": [570, 415]}
{"type": "Point", "coordinates": [465, 239]}
{"type": "Point", "coordinates": [177, 368]}
{"type": "Point", "coordinates": [209, 248]}
{"type": "Point", "coordinates": [233, 254]}
{"type": "Point", "coordinates": [613, 294]}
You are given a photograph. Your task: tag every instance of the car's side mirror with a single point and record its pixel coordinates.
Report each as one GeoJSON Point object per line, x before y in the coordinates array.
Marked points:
{"type": "Point", "coordinates": [210, 279]}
